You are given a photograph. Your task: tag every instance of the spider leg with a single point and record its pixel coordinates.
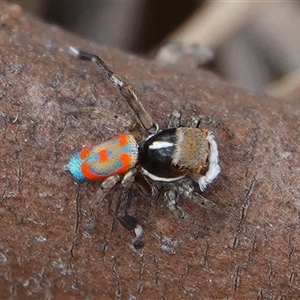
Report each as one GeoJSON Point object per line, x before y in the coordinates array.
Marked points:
{"type": "Point", "coordinates": [207, 120]}
{"type": "Point", "coordinates": [186, 189]}
{"type": "Point", "coordinates": [102, 191]}
{"type": "Point", "coordinates": [195, 121]}
{"type": "Point", "coordinates": [170, 196]}
{"type": "Point", "coordinates": [128, 221]}
{"type": "Point", "coordinates": [199, 120]}
{"type": "Point", "coordinates": [202, 201]}
{"type": "Point", "coordinates": [143, 184]}
{"type": "Point", "coordinates": [143, 117]}
{"type": "Point", "coordinates": [174, 119]}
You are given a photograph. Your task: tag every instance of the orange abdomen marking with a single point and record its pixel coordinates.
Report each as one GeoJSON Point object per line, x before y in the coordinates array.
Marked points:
{"type": "Point", "coordinates": [116, 156]}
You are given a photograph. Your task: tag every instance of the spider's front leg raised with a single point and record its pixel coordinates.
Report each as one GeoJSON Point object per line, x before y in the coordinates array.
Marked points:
{"type": "Point", "coordinates": [142, 116]}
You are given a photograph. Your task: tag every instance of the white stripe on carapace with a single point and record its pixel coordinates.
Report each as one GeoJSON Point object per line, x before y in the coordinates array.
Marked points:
{"type": "Point", "coordinates": [156, 178]}
{"type": "Point", "coordinates": [160, 144]}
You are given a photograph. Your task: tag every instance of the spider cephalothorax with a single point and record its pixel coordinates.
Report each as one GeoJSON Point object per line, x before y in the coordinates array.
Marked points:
{"type": "Point", "coordinates": [171, 158]}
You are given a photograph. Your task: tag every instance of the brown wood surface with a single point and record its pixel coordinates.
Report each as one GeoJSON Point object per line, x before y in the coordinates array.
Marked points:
{"type": "Point", "coordinates": [246, 248]}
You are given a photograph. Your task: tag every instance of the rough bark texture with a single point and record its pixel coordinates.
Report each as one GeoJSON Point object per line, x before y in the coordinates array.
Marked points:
{"type": "Point", "coordinates": [247, 248]}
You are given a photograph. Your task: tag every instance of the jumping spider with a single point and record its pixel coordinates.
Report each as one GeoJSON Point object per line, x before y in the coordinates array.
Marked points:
{"type": "Point", "coordinates": [168, 160]}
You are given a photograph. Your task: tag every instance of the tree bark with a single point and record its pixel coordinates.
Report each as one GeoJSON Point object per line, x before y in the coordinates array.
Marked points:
{"type": "Point", "coordinates": [245, 248]}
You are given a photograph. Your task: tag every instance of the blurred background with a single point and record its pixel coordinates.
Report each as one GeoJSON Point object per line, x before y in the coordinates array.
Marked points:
{"type": "Point", "coordinates": [254, 45]}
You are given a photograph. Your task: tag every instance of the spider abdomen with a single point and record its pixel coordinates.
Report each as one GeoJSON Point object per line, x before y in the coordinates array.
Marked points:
{"type": "Point", "coordinates": [115, 156]}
